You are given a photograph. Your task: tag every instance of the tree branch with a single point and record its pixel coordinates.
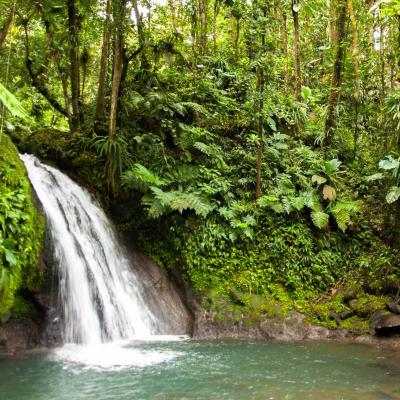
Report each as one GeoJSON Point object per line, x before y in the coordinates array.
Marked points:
{"type": "Point", "coordinates": [40, 87]}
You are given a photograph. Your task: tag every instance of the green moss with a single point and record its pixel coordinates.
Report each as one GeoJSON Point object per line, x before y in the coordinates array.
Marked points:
{"type": "Point", "coordinates": [356, 325]}
{"type": "Point", "coordinates": [366, 304]}
{"type": "Point", "coordinates": [21, 228]}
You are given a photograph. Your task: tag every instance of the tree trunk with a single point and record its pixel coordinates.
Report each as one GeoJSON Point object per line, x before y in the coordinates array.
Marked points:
{"type": "Point", "coordinates": [216, 12]}
{"type": "Point", "coordinates": [260, 129]}
{"type": "Point", "coordinates": [73, 30]}
{"type": "Point", "coordinates": [355, 51]}
{"type": "Point", "coordinates": [237, 38]}
{"type": "Point", "coordinates": [101, 94]}
{"type": "Point", "coordinates": [297, 55]}
{"type": "Point", "coordinates": [141, 34]}
{"type": "Point", "coordinates": [330, 122]}
{"type": "Point", "coordinates": [260, 120]}
{"type": "Point", "coordinates": [116, 81]}
{"type": "Point", "coordinates": [6, 27]}
{"type": "Point", "coordinates": [398, 49]}
{"type": "Point", "coordinates": [285, 52]}
{"type": "Point", "coordinates": [119, 15]}
{"type": "Point", "coordinates": [203, 26]}
{"type": "Point", "coordinates": [172, 8]}
{"type": "Point", "coordinates": [331, 22]}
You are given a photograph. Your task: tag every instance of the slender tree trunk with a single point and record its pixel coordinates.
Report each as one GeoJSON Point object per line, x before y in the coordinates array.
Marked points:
{"type": "Point", "coordinates": [285, 52]}
{"type": "Point", "coordinates": [331, 22]}
{"type": "Point", "coordinates": [73, 31]}
{"type": "Point", "coordinates": [182, 15]}
{"type": "Point", "coordinates": [382, 59]}
{"type": "Point", "coordinates": [330, 122]}
{"type": "Point", "coordinates": [398, 49]}
{"type": "Point", "coordinates": [297, 55]}
{"type": "Point", "coordinates": [193, 29]}
{"type": "Point", "coordinates": [260, 129]}
{"type": "Point", "coordinates": [101, 93]}
{"type": "Point", "coordinates": [371, 29]}
{"type": "Point", "coordinates": [116, 81]}
{"type": "Point", "coordinates": [141, 34]}
{"type": "Point", "coordinates": [260, 120]}
{"type": "Point", "coordinates": [119, 15]}
{"type": "Point", "coordinates": [6, 28]}
{"type": "Point", "coordinates": [355, 51]}
{"type": "Point", "coordinates": [237, 37]}
{"type": "Point", "coordinates": [172, 8]}
{"type": "Point", "coordinates": [215, 17]}
{"type": "Point", "coordinates": [203, 26]}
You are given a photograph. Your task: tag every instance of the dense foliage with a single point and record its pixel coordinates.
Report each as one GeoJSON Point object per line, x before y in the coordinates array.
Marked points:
{"type": "Point", "coordinates": [21, 229]}
{"type": "Point", "coordinates": [254, 143]}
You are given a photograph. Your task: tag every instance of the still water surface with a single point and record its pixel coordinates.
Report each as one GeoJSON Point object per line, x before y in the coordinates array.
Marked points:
{"type": "Point", "coordinates": [172, 370]}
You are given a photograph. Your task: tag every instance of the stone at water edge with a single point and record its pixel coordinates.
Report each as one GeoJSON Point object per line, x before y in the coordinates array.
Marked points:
{"type": "Point", "coordinates": [385, 322]}
{"type": "Point", "coordinates": [393, 307]}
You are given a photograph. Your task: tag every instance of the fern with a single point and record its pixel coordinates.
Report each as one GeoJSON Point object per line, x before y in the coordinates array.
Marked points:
{"type": "Point", "coordinates": [320, 219]}
{"type": "Point", "coordinates": [176, 200]}
{"type": "Point", "coordinates": [139, 175]}
{"type": "Point", "coordinates": [12, 104]}
{"type": "Point", "coordinates": [342, 212]}
{"type": "Point", "coordinates": [188, 105]}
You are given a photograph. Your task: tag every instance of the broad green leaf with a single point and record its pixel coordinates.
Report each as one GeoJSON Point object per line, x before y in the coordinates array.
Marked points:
{"type": "Point", "coordinates": [393, 194]}
{"type": "Point", "coordinates": [332, 166]}
{"type": "Point", "coordinates": [389, 163]}
{"type": "Point", "coordinates": [305, 92]}
{"type": "Point", "coordinates": [10, 257]}
{"type": "Point", "coordinates": [271, 124]}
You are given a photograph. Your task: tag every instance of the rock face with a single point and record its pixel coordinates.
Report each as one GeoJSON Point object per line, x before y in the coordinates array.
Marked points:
{"type": "Point", "coordinates": [170, 309]}
{"type": "Point", "coordinates": [19, 336]}
{"type": "Point", "coordinates": [291, 328]}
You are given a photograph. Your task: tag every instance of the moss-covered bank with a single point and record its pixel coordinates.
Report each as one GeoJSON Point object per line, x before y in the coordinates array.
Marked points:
{"type": "Point", "coordinates": [21, 233]}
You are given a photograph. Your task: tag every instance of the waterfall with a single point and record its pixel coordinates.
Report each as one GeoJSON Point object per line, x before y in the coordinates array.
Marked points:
{"type": "Point", "coordinates": [100, 294]}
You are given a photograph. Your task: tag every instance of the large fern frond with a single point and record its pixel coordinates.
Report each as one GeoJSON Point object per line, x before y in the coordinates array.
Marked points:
{"type": "Point", "coordinates": [11, 103]}
{"type": "Point", "coordinates": [139, 177]}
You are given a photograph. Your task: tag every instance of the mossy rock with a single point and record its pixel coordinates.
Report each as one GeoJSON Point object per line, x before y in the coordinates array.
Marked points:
{"type": "Point", "coordinates": [365, 305]}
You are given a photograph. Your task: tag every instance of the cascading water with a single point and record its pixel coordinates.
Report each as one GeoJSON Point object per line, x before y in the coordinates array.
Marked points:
{"type": "Point", "coordinates": [102, 298]}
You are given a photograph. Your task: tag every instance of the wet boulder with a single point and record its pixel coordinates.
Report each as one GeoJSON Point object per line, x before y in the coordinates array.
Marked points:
{"type": "Point", "coordinates": [385, 323]}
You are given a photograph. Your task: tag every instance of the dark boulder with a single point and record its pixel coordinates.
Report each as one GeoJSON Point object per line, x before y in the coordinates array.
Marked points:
{"type": "Point", "coordinates": [393, 307]}
{"type": "Point", "coordinates": [345, 315]}
{"type": "Point", "coordinates": [385, 323]}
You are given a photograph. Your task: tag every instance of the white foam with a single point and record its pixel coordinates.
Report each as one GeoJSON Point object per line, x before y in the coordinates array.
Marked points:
{"type": "Point", "coordinates": [111, 356]}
